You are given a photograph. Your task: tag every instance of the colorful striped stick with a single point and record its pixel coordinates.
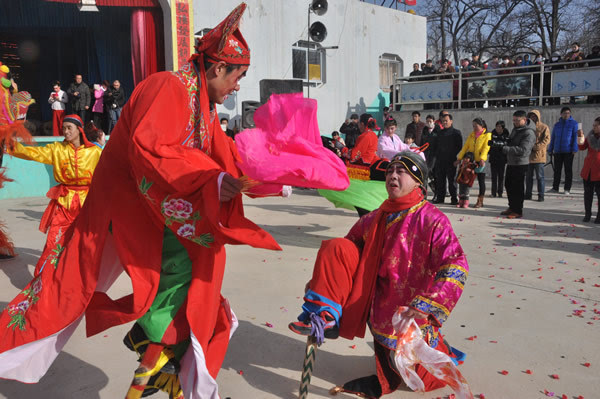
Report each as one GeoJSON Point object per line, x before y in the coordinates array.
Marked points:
{"type": "Point", "coordinates": [147, 368]}
{"type": "Point", "coordinates": [307, 368]}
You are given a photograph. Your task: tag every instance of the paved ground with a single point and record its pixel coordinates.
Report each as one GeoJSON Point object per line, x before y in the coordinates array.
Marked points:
{"type": "Point", "coordinates": [531, 303]}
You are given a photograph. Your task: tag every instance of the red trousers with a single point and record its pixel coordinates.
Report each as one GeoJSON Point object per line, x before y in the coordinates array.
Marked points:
{"type": "Point", "coordinates": [57, 121]}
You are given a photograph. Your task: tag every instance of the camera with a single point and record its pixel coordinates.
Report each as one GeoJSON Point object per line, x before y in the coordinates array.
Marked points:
{"type": "Point", "coordinates": [497, 143]}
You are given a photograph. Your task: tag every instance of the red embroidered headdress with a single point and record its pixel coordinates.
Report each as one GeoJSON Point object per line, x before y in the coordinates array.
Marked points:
{"type": "Point", "coordinates": [225, 42]}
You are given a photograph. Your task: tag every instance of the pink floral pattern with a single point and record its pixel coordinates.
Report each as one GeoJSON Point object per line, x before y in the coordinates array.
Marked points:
{"type": "Point", "coordinates": [177, 209]}
{"type": "Point", "coordinates": [17, 312]}
{"type": "Point", "coordinates": [186, 231]}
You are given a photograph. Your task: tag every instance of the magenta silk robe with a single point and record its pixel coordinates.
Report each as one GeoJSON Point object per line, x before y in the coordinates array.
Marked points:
{"type": "Point", "coordinates": [422, 266]}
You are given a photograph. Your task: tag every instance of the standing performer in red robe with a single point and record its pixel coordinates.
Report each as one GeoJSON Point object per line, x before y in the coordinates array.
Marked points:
{"type": "Point", "coordinates": [164, 201]}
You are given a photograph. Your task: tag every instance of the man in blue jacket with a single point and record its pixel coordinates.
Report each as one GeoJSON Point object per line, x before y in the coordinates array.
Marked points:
{"type": "Point", "coordinates": [563, 146]}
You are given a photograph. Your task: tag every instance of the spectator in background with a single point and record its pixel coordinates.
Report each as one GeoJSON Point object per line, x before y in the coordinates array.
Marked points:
{"type": "Point", "coordinates": [338, 144]}
{"type": "Point", "coordinates": [79, 97]}
{"type": "Point", "coordinates": [415, 128]}
{"type": "Point", "coordinates": [415, 72]}
{"type": "Point", "coordinates": [537, 159]}
{"type": "Point", "coordinates": [366, 144]}
{"type": "Point", "coordinates": [526, 60]}
{"type": "Point", "coordinates": [517, 152]}
{"type": "Point", "coordinates": [594, 61]}
{"type": "Point", "coordinates": [448, 144]}
{"type": "Point", "coordinates": [389, 144]}
{"type": "Point", "coordinates": [114, 99]}
{"type": "Point", "coordinates": [428, 139]}
{"type": "Point", "coordinates": [95, 135]}
{"type": "Point", "coordinates": [351, 130]}
{"type": "Point", "coordinates": [590, 173]}
{"type": "Point", "coordinates": [429, 69]}
{"type": "Point", "coordinates": [548, 78]}
{"type": "Point", "coordinates": [497, 159]}
{"type": "Point", "coordinates": [475, 62]}
{"type": "Point", "coordinates": [98, 108]}
{"type": "Point", "coordinates": [594, 55]}
{"type": "Point", "coordinates": [58, 101]}
{"type": "Point", "coordinates": [575, 55]}
{"type": "Point", "coordinates": [409, 140]}
{"type": "Point", "coordinates": [477, 144]}
{"type": "Point", "coordinates": [226, 129]}
{"type": "Point", "coordinates": [563, 146]}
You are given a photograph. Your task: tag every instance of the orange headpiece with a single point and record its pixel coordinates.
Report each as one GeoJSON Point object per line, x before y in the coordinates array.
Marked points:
{"type": "Point", "coordinates": [225, 42]}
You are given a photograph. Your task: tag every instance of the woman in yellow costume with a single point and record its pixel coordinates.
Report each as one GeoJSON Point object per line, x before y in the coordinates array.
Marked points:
{"type": "Point", "coordinates": [74, 161]}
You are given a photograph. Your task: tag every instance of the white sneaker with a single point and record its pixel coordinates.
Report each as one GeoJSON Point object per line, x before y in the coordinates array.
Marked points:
{"type": "Point", "coordinates": [567, 192]}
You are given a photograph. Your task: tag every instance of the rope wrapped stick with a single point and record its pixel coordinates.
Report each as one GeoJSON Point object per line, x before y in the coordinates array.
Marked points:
{"type": "Point", "coordinates": [307, 368]}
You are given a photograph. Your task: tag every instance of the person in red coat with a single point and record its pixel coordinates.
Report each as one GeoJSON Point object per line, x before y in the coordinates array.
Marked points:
{"type": "Point", "coordinates": [590, 173]}
{"type": "Point", "coordinates": [164, 202]}
{"type": "Point", "coordinates": [366, 144]}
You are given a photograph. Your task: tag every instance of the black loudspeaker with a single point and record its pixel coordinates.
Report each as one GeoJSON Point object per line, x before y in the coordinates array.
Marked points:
{"type": "Point", "coordinates": [317, 32]}
{"type": "Point", "coordinates": [278, 86]}
{"type": "Point", "coordinates": [248, 109]}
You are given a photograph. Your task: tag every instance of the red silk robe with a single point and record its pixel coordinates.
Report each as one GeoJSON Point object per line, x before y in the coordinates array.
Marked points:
{"type": "Point", "coordinates": [160, 168]}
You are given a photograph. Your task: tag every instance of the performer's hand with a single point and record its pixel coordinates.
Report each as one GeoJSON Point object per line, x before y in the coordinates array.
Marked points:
{"type": "Point", "coordinates": [230, 187]}
{"type": "Point", "coordinates": [481, 163]}
{"type": "Point", "coordinates": [580, 133]}
{"type": "Point", "coordinates": [414, 314]}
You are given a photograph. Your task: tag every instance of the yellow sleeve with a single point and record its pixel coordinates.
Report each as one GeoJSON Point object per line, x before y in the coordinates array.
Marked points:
{"type": "Point", "coordinates": [485, 148]}
{"type": "Point", "coordinates": [30, 153]}
{"type": "Point", "coordinates": [463, 151]}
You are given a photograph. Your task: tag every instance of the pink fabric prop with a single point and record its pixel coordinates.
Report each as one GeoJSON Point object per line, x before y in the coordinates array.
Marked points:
{"type": "Point", "coordinates": [286, 147]}
{"type": "Point", "coordinates": [412, 350]}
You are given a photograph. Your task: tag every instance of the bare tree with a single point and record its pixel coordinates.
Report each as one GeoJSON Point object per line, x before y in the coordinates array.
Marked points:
{"type": "Point", "coordinates": [551, 20]}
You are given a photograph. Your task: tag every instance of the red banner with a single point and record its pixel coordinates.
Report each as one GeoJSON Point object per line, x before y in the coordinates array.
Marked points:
{"type": "Point", "coordinates": [182, 26]}
{"type": "Point", "coordinates": [115, 3]}
{"type": "Point", "coordinates": [410, 2]}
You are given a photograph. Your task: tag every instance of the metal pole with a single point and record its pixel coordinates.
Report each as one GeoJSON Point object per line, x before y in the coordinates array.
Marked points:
{"type": "Point", "coordinates": [460, 88]}
{"type": "Point", "coordinates": [307, 50]}
{"type": "Point", "coordinates": [541, 88]}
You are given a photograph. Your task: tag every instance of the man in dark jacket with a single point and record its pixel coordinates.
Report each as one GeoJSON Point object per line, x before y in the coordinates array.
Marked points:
{"type": "Point", "coordinates": [114, 99]}
{"type": "Point", "coordinates": [79, 97]}
{"type": "Point", "coordinates": [563, 146]}
{"type": "Point", "coordinates": [416, 128]}
{"type": "Point", "coordinates": [448, 145]}
{"type": "Point", "coordinates": [517, 151]}
{"type": "Point", "coordinates": [351, 130]}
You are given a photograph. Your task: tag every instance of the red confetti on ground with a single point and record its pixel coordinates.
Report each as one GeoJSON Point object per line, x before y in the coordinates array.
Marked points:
{"type": "Point", "coordinates": [451, 396]}
{"type": "Point", "coordinates": [564, 396]}
{"type": "Point", "coordinates": [240, 372]}
{"type": "Point", "coordinates": [541, 277]}
{"type": "Point", "coordinates": [493, 342]}
{"type": "Point", "coordinates": [269, 325]}
{"type": "Point", "coordinates": [504, 372]}
{"type": "Point", "coordinates": [481, 396]}
{"type": "Point", "coordinates": [548, 393]}
{"type": "Point", "coordinates": [528, 371]}
{"type": "Point", "coordinates": [586, 364]}
{"type": "Point", "coordinates": [580, 397]}
{"type": "Point", "coordinates": [555, 376]}
{"type": "Point", "coordinates": [499, 296]}
{"type": "Point", "coordinates": [353, 346]}
{"type": "Point", "coordinates": [472, 338]}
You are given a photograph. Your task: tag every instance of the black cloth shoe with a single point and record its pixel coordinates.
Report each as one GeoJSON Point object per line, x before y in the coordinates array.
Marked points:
{"type": "Point", "coordinates": [365, 387]}
{"type": "Point", "coordinates": [528, 197]}
{"type": "Point", "coordinates": [597, 220]}
{"type": "Point", "coordinates": [330, 327]}
{"type": "Point", "coordinates": [587, 218]}
{"type": "Point", "coordinates": [540, 199]}
{"type": "Point", "coordinates": [454, 201]}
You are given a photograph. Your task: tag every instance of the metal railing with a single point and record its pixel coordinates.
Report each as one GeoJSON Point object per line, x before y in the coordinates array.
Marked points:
{"type": "Point", "coordinates": [500, 86]}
